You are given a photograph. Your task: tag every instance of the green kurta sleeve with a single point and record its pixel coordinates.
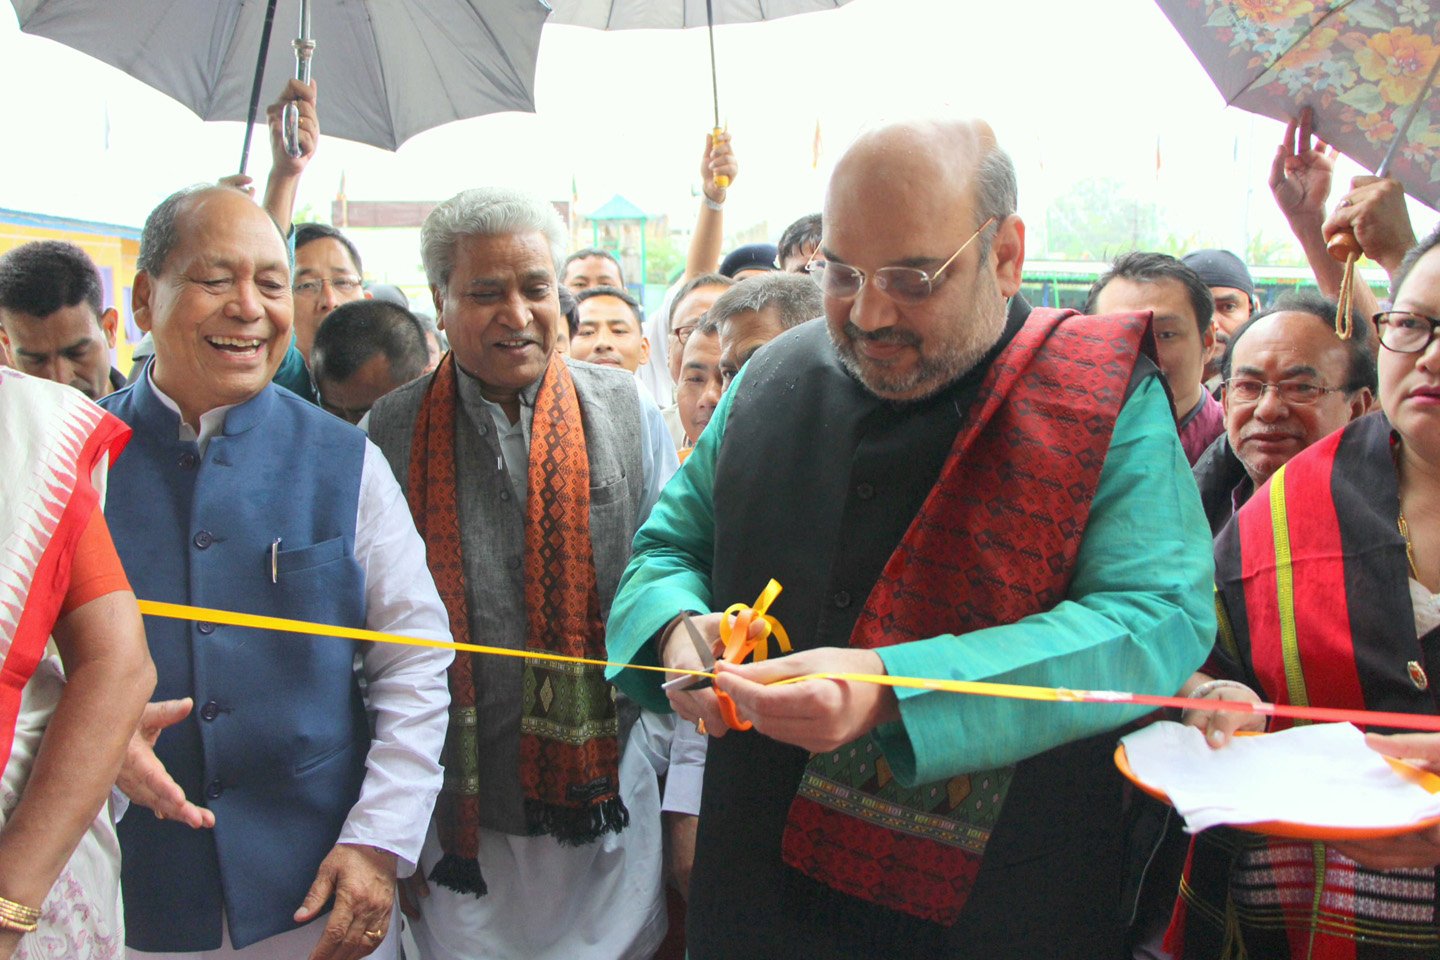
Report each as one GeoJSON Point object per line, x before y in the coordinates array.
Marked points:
{"type": "Point", "coordinates": [669, 567]}
{"type": "Point", "coordinates": [1139, 616]}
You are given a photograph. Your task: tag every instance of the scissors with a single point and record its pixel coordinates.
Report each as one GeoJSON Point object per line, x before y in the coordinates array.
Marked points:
{"type": "Point", "coordinates": [735, 652]}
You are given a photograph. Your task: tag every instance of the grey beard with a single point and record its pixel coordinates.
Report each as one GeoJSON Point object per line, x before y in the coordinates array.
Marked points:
{"type": "Point", "coordinates": [935, 372]}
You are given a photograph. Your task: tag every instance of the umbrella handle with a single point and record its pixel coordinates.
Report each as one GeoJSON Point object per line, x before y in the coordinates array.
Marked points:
{"type": "Point", "coordinates": [721, 180]}
{"type": "Point", "coordinates": [1343, 246]}
{"type": "Point", "coordinates": [290, 119]}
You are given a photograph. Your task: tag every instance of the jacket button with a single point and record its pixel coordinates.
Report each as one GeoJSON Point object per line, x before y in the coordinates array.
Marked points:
{"type": "Point", "coordinates": [203, 539]}
{"type": "Point", "coordinates": [841, 600]}
{"type": "Point", "coordinates": [504, 494]}
{"type": "Point", "coordinates": [213, 789]}
{"type": "Point", "coordinates": [864, 491]}
{"type": "Point", "coordinates": [210, 711]}
{"type": "Point", "coordinates": [187, 461]}
{"type": "Point", "coordinates": [205, 627]}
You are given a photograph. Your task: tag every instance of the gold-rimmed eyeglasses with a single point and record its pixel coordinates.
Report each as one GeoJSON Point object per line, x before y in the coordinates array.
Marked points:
{"type": "Point", "coordinates": [908, 285]}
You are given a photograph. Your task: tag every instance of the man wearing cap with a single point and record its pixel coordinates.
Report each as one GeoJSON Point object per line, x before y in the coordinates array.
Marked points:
{"type": "Point", "coordinates": [1230, 285]}
{"type": "Point", "coordinates": [750, 260]}
{"type": "Point", "coordinates": [1233, 291]}
{"type": "Point", "coordinates": [855, 820]}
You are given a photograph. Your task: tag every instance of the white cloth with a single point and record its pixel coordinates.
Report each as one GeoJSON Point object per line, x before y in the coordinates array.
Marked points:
{"type": "Point", "coordinates": [547, 901]}
{"type": "Point", "coordinates": [1320, 775]}
{"type": "Point", "coordinates": [656, 374]}
{"type": "Point", "coordinates": [406, 687]}
{"type": "Point", "coordinates": [81, 918]}
{"type": "Point", "coordinates": [1426, 606]}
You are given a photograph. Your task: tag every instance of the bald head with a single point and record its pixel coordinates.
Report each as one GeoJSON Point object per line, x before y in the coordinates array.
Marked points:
{"type": "Point", "coordinates": [917, 173]}
{"type": "Point", "coordinates": [213, 289]}
{"type": "Point", "coordinates": [933, 202]}
{"type": "Point", "coordinates": [933, 158]}
{"type": "Point", "coordinates": [162, 227]}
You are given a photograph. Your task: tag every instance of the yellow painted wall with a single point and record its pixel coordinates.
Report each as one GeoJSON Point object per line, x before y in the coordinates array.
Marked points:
{"type": "Point", "coordinates": [114, 255]}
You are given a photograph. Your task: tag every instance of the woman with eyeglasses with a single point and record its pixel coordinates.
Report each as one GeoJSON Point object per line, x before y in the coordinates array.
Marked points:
{"type": "Point", "coordinates": [1328, 594]}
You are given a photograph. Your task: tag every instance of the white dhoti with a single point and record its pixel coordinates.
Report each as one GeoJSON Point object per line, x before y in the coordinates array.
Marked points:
{"type": "Point", "coordinates": [546, 901]}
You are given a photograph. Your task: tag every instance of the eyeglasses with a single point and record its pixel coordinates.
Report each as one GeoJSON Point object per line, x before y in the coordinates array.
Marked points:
{"type": "Point", "coordinates": [1293, 392]}
{"type": "Point", "coordinates": [341, 285]}
{"type": "Point", "coordinates": [909, 285]}
{"type": "Point", "coordinates": [1405, 332]}
{"type": "Point", "coordinates": [682, 334]}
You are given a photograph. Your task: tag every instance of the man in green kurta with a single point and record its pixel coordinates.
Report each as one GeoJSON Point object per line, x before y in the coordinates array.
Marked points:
{"type": "Point", "coordinates": [948, 484]}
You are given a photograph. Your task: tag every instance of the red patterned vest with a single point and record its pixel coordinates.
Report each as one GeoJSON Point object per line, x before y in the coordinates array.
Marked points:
{"type": "Point", "coordinates": [995, 541]}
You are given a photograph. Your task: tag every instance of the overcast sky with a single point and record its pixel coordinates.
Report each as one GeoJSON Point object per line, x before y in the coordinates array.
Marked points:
{"type": "Point", "coordinates": [1074, 90]}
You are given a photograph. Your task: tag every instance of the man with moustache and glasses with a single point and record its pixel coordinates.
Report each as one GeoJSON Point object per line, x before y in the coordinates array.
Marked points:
{"type": "Point", "coordinates": [947, 484]}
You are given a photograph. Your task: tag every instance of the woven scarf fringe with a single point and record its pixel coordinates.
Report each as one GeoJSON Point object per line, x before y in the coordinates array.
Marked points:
{"type": "Point", "coordinates": [577, 826]}
{"type": "Point", "coordinates": [459, 874]}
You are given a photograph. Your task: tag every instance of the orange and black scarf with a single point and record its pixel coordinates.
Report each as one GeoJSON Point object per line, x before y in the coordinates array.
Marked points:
{"type": "Point", "coordinates": [569, 753]}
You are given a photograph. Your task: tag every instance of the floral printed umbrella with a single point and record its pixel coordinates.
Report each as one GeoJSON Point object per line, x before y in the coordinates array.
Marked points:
{"type": "Point", "coordinates": [1363, 66]}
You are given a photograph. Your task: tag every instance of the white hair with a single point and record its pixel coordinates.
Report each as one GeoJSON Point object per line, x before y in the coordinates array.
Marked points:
{"type": "Point", "coordinates": [486, 212]}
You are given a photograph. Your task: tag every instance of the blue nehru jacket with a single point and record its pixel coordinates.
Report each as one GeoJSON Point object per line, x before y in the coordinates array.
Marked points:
{"type": "Point", "coordinates": [277, 741]}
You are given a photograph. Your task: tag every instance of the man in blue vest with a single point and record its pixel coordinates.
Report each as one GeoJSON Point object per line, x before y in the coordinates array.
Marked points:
{"type": "Point", "coordinates": [238, 495]}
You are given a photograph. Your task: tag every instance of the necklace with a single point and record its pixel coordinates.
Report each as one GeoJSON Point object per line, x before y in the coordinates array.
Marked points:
{"type": "Point", "coordinates": [1409, 547]}
{"type": "Point", "coordinates": [1400, 519]}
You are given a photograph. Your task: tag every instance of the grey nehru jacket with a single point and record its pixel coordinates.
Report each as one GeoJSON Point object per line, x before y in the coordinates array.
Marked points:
{"type": "Point", "coordinates": [492, 539]}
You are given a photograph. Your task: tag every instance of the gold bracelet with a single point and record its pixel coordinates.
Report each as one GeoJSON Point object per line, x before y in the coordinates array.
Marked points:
{"type": "Point", "coordinates": [7, 924]}
{"type": "Point", "coordinates": [20, 916]}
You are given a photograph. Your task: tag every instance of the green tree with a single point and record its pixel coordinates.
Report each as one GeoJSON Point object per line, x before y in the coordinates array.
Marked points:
{"type": "Point", "coordinates": [1099, 218]}
{"type": "Point", "coordinates": [665, 259]}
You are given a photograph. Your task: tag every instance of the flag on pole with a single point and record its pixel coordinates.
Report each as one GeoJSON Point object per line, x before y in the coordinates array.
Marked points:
{"type": "Point", "coordinates": [815, 149]}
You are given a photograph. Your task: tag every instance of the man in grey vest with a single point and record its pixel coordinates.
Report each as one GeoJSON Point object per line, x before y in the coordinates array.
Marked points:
{"type": "Point", "coordinates": [528, 474]}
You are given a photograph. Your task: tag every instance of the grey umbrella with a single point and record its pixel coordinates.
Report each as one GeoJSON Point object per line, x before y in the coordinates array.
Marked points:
{"type": "Point", "coordinates": [667, 14]}
{"type": "Point", "coordinates": [388, 69]}
{"type": "Point", "coordinates": [678, 14]}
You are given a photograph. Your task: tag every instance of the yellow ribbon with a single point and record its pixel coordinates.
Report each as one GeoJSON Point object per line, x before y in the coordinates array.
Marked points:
{"type": "Point", "coordinates": [981, 688]}
{"type": "Point", "coordinates": [735, 639]}
{"type": "Point", "coordinates": [179, 611]}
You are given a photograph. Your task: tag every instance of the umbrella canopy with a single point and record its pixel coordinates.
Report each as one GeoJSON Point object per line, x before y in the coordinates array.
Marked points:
{"type": "Point", "coordinates": [1360, 65]}
{"type": "Point", "coordinates": [388, 69]}
{"type": "Point", "coordinates": [671, 14]}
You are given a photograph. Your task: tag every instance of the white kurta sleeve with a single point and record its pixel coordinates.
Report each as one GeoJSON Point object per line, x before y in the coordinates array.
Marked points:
{"type": "Point", "coordinates": [407, 688]}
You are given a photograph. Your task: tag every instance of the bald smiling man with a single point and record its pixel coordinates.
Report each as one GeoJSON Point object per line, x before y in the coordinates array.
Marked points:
{"type": "Point", "coordinates": [864, 821]}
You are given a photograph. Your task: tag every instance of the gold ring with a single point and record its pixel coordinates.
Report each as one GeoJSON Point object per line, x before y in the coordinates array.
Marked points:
{"type": "Point", "coordinates": [374, 935]}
